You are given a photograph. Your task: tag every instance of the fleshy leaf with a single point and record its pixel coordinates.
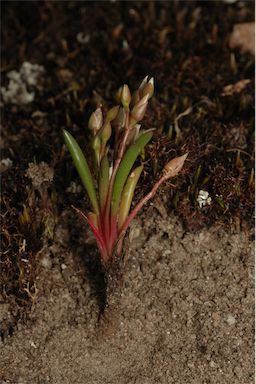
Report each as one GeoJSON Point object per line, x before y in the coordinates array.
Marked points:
{"type": "Point", "coordinates": [125, 167]}
{"type": "Point", "coordinates": [127, 195]}
{"type": "Point", "coordinates": [82, 168]}
{"type": "Point", "coordinates": [103, 181]}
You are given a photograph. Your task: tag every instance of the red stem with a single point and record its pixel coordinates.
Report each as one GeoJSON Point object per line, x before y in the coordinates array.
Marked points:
{"type": "Point", "coordinates": [110, 224]}
{"type": "Point", "coordinates": [97, 234]}
{"type": "Point", "coordinates": [140, 204]}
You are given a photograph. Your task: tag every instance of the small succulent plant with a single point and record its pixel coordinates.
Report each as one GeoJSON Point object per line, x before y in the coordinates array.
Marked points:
{"type": "Point", "coordinates": [111, 184]}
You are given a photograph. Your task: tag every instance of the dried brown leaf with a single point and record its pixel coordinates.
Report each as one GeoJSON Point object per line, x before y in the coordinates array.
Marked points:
{"type": "Point", "coordinates": [243, 37]}
{"type": "Point", "coordinates": [238, 87]}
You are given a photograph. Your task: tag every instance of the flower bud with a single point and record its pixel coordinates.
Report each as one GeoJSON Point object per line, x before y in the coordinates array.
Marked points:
{"type": "Point", "coordinates": [125, 96]}
{"type": "Point", "coordinates": [119, 121]}
{"type": "Point", "coordinates": [144, 81]}
{"type": "Point", "coordinates": [135, 98]}
{"type": "Point", "coordinates": [139, 109]}
{"type": "Point", "coordinates": [112, 113]}
{"type": "Point", "coordinates": [173, 167]}
{"type": "Point", "coordinates": [143, 100]}
{"type": "Point", "coordinates": [148, 88]}
{"type": "Point", "coordinates": [106, 132]}
{"type": "Point", "coordinates": [133, 134]}
{"type": "Point", "coordinates": [95, 121]}
{"type": "Point", "coordinates": [138, 112]}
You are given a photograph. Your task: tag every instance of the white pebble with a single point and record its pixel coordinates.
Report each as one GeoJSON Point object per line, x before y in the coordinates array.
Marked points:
{"type": "Point", "coordinates": [33, 344]}
{"type": "Point", "coordinates": [203, 199]}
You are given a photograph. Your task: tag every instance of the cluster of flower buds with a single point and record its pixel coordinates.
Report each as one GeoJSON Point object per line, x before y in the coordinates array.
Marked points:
{"type": "Point", "coordinates": [134, 105]}
{"type": "Point", "coordinates": [139, 100]}
{"type": "Point", "coordinates": [101, 130]}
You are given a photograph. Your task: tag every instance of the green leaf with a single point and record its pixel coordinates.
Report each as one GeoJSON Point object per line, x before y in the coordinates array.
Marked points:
{"type": "Point", "coordinates": [103, 181]}
{"type": "Point", "coordinates": [82, 168]}
{"type": "Point", "coordinates": [125, 167]}
{"type": "Point", "coordinates": [127, 195]}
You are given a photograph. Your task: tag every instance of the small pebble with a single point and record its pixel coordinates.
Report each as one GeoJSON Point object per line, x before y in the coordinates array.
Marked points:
{"type": "Point", "coordinates": [46, 262]}
{"type": "Point", "coordinates": [231, 320]}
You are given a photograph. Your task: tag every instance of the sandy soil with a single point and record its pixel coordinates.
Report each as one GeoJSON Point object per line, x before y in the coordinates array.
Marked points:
{"type": "Point", "coordinates": [182, 314]}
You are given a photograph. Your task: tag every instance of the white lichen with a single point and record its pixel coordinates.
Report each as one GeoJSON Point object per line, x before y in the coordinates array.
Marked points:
{"type": "Point", "coordinates": [22, 84]}
{"type": "Point", "coordinates": [203, 199]}
{"type": "Point", "coordinates": [32, 74]}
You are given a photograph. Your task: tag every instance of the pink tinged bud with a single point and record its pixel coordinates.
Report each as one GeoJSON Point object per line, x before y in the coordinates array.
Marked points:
{"type": "Point", "coordinates": [112, 113]}
{"type": "Point", "coordinates": [173, 167]}
{"type": "Point", "coordinates": [95, 121]}
{"type": "Point", "coordinates": [144, 81]}
{"type": "Point", "coordinates": [135, 97]}
{"type": "Point", "coordinates": [139, 110]}
{"type": "Point", "coordinates": [125, 96]}
{"type": "Point", "coordinates": [143, 100]}
{"type": "Point", "coordinates": [151, 81]}
{"type": "Point", "coordinates": [133, 134]}
{"type": "Point", "coordinates": [148, 88]}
